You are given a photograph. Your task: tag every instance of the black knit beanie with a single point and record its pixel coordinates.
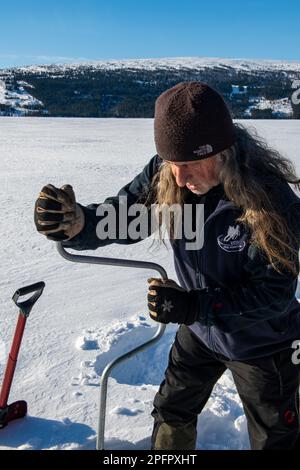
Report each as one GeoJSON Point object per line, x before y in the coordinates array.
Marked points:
{"type": "Point", "coordinates": [191, 122]}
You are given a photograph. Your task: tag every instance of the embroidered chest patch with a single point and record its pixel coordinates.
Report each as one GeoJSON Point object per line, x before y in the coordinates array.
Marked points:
{"type": "Point", "coordinates": [232, 240]}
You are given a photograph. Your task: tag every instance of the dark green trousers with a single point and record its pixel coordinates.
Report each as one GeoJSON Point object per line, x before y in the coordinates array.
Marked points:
{"type": "Point", "coordinates": [268, 388]}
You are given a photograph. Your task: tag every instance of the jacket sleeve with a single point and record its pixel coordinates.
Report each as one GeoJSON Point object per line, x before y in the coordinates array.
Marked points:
{"type": "Point", "coordinates": [134, 192]}
{"type": "Point", "coordinates": [265, 295]}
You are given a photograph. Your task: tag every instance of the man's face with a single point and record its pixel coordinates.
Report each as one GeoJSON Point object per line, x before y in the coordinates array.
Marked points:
{"type": "Point", "coordinates": [200, 176]}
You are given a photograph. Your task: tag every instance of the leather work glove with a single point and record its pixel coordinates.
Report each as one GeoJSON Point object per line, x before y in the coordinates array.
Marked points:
{"type": "Point", "coordinates": [56, 213]}
{"type": "Point", "coordinates": [170, 303]}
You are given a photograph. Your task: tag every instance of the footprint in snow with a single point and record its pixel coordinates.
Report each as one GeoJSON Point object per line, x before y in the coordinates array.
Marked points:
{"type": "Point", "coordinates": [85, 343]}
{"type": "Point", "coordinates": [125, 411]}
{"type": "Point", "coordinates": [146, 368]}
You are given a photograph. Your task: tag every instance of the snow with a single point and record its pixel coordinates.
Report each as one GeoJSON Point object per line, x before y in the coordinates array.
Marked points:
{"type": "Point", "coordinates": [172, 62]}
{"type": "Point", "coordinates": [18, 99]}
{"type": "Point", "coordinates": [281, 107]}
{"type": "Point", "coordinates": [22, 84]}
{"type": "Point", "coordinates": [2, 350]}
{"type": "Point", "coordinates": [238, 90]}
{"type": "Point", "coordinates": [88, 315]}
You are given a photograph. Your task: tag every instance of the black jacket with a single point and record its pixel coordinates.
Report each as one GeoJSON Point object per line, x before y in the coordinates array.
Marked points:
{"type": "Point", "coordinates": [258, 311]}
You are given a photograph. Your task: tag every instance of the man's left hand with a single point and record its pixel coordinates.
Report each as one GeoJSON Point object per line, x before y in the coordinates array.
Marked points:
{"type": "Point", "coordinates": [168, 302]}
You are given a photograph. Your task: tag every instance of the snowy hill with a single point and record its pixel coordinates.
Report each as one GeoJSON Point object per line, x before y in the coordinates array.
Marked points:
{"type": "Point", "coordinates": [174, 63]}
{"type": "Point", "coordinates": [91, 314]}
{"type": "Point", "coordinates": [128, 88]}
{"type": "Point", "coordinates": [17, 99]}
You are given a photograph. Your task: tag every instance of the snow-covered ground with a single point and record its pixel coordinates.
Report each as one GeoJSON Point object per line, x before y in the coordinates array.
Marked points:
{"type": "Point", "coordinates": [90, 314]}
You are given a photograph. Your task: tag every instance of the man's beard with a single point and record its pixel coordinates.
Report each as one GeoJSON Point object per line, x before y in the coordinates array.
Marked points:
{"type": "Point", "coordinates": [200, 193]}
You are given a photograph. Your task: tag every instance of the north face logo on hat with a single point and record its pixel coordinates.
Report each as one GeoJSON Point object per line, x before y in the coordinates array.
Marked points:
{"type": "Point", "coordinates": [203, 150]}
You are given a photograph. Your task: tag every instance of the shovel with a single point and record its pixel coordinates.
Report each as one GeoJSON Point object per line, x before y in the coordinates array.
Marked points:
{"type": "Point", "coordinates": [18, 409]}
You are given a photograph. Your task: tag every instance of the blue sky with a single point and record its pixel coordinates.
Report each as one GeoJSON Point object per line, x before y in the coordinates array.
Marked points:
{"type": "Point", "coordinates": [44, 31]}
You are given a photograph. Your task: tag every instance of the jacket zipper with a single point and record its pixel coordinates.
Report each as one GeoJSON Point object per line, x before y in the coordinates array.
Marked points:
{"type": "Point", "coordinates": [200, 280]}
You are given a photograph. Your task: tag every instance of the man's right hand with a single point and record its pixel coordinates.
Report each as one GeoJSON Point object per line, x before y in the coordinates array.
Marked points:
{"type": "Point", "coordinates": [56, 214]}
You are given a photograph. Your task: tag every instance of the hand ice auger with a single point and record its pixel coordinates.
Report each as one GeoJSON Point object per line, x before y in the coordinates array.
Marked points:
{"type": "Point", "coordinates": [159, 332]}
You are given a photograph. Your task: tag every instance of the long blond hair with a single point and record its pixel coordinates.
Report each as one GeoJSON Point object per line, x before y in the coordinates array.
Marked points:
{"type": "Point", "coordinates": [248, 170]}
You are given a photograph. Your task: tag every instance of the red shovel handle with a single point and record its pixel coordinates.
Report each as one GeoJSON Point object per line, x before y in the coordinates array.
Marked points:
{"type": "Point", "coordinates": [25, 308]}
{"type": "Point", "coordinates": [12, 361]}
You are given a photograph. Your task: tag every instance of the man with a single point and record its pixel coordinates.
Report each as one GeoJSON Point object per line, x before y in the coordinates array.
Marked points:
{"type": "Point", "coordinates": [236, 301]}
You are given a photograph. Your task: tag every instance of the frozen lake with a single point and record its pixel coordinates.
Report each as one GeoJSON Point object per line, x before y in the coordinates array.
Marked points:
{"type": "Point", "coordinates": [87, 315]}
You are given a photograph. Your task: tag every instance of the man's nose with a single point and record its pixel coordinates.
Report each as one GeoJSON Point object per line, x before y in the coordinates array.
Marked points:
{"type": "Point", "coordinates": [181, 176]}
